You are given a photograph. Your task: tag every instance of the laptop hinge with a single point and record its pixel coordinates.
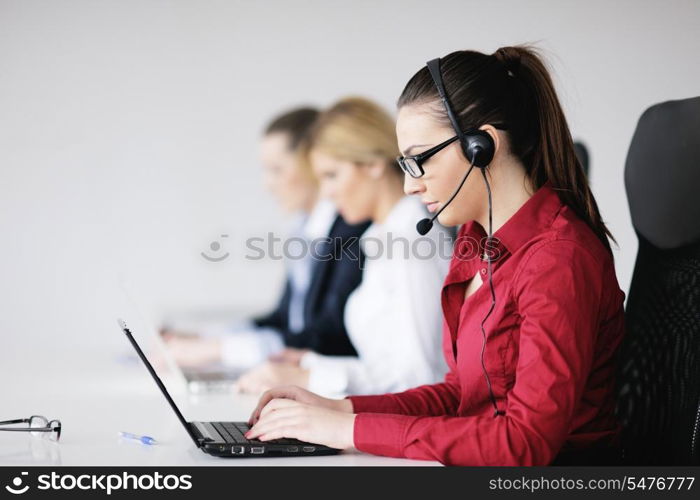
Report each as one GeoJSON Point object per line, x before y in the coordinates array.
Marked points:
{"type": "Point", "coordinates": [202, 431]}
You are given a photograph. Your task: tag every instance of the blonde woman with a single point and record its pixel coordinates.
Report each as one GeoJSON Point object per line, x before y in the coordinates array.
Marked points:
{"type": "Point", "coordinates": [393, 318]}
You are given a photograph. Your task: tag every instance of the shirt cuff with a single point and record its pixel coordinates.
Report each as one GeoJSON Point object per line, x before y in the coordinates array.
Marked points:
{"type": "Point", "coordinates": [327, 377]}
{"type": "Point", "coordinates": [250, 348]}
{"type": "Point", "coordinates": [369, 404]}
{"type": "Point", "coordinates": [381, 433]}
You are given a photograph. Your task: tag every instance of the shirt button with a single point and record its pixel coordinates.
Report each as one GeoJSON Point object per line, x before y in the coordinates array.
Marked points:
{"type": "Point", "coordinates": [483, 271]}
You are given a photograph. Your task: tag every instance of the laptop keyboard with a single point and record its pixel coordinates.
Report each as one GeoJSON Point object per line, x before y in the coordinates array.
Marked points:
{"type": "Point", "coordinates": [233, 432]}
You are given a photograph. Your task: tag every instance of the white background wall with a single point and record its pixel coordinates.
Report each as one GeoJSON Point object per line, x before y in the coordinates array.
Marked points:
{"type": "Point", "coordinates": [128, 130]}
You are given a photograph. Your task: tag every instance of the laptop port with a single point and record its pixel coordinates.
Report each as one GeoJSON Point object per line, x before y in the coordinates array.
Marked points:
{"type": "Point", "coordinates": [257, 450]}
{"type": "Point", "coordinates": [238, 450]}
{"type": "Point", "coordinates": [309, 449]}
{"type": "Point", "coordinates": [293, 449]}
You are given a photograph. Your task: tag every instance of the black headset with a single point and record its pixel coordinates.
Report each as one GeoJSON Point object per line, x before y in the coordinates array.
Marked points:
{"type": "Point", "coordinates": [478, 148]}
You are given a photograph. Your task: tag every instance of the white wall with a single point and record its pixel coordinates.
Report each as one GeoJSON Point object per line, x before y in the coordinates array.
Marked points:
{"type": "Point", "coordinates": [128, 129]}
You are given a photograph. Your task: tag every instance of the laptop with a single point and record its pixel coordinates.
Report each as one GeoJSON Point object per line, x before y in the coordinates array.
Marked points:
{"type": "Point", "coordinates": [215, 378]}
{"type": "Point", "coordinates": [226, 439]}
{"type": "Point", "coordinates": [198, 380]}
{"type": "Point", "coordinates": [210, 380]}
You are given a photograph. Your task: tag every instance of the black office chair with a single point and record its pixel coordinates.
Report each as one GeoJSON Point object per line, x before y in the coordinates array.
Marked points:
{"type": "Point", "coordinates": [659, 369]}
{"type": "Point", "coordinates": [581, 152]}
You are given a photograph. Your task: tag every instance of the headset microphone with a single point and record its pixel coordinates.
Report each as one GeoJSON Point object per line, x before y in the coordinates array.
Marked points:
{"type": "Point", "coordinates": [425, 225]}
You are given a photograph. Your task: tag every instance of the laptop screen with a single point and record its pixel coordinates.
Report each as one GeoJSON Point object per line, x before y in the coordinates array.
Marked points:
{"type": "Point", "coordinates": [155, 376]}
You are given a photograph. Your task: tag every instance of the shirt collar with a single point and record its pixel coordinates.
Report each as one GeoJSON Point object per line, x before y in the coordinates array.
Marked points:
{"type": "Point", "coordinates": [319, 221]}
{"type": "Point", "coordinates": [532, 218]}
{"type": "Point", "coordinates": [407, 208]}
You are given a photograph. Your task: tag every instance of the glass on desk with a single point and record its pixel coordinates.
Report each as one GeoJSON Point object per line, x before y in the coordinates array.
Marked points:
{"type": "Point", "coordinates": [37, 425]}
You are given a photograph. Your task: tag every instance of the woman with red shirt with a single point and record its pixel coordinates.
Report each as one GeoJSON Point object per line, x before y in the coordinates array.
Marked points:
{"type": "Point", "coordinates": [533, 313]}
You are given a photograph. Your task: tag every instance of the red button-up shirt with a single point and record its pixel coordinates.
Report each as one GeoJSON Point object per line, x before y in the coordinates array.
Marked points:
{"type": "Point", "coordinates": [550, 353]}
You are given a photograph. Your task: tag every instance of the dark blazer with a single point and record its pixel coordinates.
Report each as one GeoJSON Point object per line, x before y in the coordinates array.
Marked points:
{"type": "Point", "coordinates": [332, 281]}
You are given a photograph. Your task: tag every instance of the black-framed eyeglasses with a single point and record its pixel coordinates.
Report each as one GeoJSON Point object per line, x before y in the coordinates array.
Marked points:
{"type": "Point", "coordinates": [413, 164]}
{"type": "Point", "coordinates": [37, 425]}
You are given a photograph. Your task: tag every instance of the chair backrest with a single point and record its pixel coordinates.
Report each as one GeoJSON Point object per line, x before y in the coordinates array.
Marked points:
{"type": "Point", "coordinates": [659, 366]}
{"type": "Point", "coordinates": [582, 155]}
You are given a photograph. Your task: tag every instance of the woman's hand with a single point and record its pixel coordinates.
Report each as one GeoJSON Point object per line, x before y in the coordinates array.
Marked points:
{"type": "Point", "coordinates": [289, 355]}
{"type": "Point", "coordinates": [302, 396]}
{"type": "Point", "coordinates": [169, 333]}
{"type": "Point", "coordinates": [270, 375]}
{"type": "Point", "coordinates": [286, 418]}
{"type": "Point", "coordinates": [191, 351]}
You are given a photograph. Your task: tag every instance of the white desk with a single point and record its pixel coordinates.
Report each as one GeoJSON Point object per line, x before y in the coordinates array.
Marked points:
{"type": "Point", "coordinates": [96, 396]}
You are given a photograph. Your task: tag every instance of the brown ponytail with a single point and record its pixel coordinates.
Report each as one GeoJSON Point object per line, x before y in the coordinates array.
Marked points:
{"type": "Point", "coordinates": [513, 86]}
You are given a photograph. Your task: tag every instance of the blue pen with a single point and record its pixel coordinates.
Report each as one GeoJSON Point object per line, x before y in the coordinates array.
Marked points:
{"type": "Point", "coordinates": [143, 439]}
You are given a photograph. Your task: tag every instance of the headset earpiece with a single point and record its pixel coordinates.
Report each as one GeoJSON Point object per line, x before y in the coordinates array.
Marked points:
{"type": "Point", "coordinates": [478, 147]}
{"type": "Point", "coordinates": [477, 144]}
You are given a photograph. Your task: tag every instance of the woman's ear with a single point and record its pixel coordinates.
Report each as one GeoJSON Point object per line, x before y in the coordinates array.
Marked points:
{"type": "Point", "coordinates": [375, 168]}
{"type": "Point", "coordinates": [495, 136]}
